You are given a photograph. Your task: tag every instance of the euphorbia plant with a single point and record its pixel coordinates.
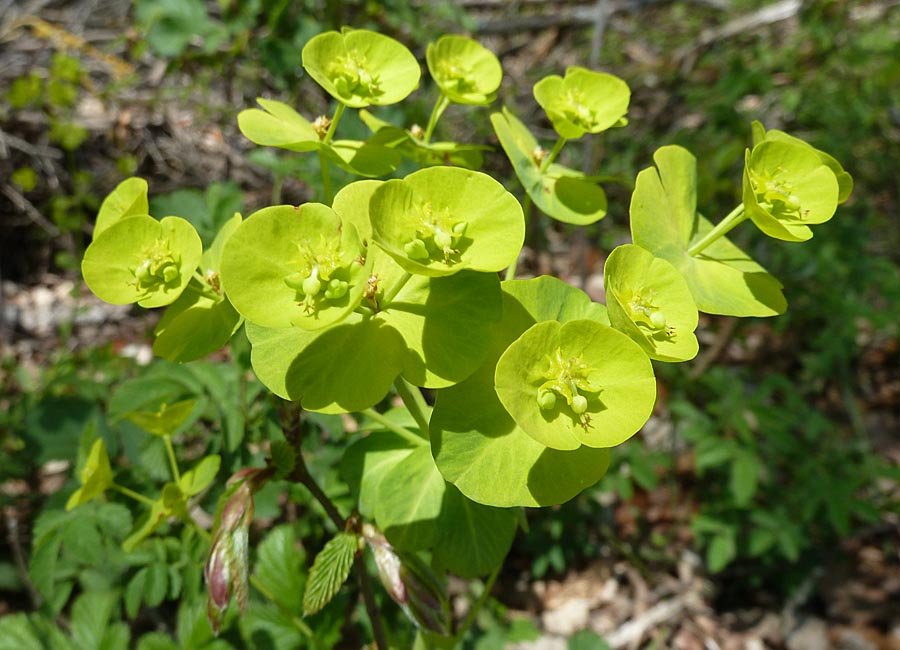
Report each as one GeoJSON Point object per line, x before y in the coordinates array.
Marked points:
{"type": "Point", "coordinates": [395, 284]}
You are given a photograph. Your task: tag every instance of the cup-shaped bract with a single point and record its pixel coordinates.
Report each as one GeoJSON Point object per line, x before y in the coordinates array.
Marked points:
{"type": "Point", "coordinates": [844, 179]}
{"type": "Point", "coordinates": [360, 68]}
{"type": "Point", "coordinates": [139, 259]}
{"type": "Point", "coordinates": [464, 70]}
{"type": "Point", "coordinates": [287, 266]}
{"type": "Point", "coordinates": [128, 199]}
{"type": "Point", "coordinates": [584, 101]}
{"type": "Point", "coordinates": [576, 383]}
{"type": "Point", "coordinates": [787, 188]}
{"type": "Point", "coordinates": [441, 220]}
{"type": "Point", "coordinates": [649, 300]}
{"type": "Point", "coordinates": [95, 476]}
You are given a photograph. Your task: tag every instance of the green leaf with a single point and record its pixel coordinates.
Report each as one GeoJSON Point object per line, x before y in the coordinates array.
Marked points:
{"type": "Point", "coordinates": [195, 480]}
{"type": "Point", "coordinates": [278, 125]}
{"type": "Point", "coordinates": [329, 571]}
{"type": "Point", "coordinates": [478, 446]}
{"type": "Point", "coordinates": [287, 265]}
{"type": "Point", "coordinates": [367, 461]}
{"type": "Point", "coordinates": [649, 300]}
{"type": "Point", "coordinates": [721, 551]}
{"type": "Point", "coordinates": [579, 361]}
{"type": "Point", "coordinates": [474, 538]}
{"type": "Point", "coordinates": [464, 70]}
{"type": "Point", "coordinates": [128, 199]}
{"type": "Point", "coordinates": [31, 632]}
{"type": "Point", "coordinates": [91, 627]}
{"type": "Point", "coordinates": [95, 476]}
{"type": "Point", "coordinates": [280, 568]}
{"type": "Point", "coordinates": [410, 498]}
{"type": "Point", "coordinates": [139, 259]}
{"type": "Point", "coordinates": [359, 67]}
{"type": "Point", "coordinates": [664, 220]}
{"type": "Point", "coordinates": [441, 220]}
{"type": "Point", "coordinates": [565, 194]}
{"type": "Point", "coordinates": [586, 640]}
{"type": "Point", "coordinates": [583, 101]}
{"type": "Point", "coordinates": [744, 477]}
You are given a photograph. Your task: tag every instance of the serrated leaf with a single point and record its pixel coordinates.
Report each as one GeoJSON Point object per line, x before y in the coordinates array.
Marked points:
{"type": "Point", "coordinates": [31, 632]}
{"type": "Point", "coordinates": [329, 571]}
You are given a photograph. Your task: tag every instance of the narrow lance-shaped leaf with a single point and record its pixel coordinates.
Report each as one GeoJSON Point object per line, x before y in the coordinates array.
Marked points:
{"type": "Point", "coordinates": [329, 571]}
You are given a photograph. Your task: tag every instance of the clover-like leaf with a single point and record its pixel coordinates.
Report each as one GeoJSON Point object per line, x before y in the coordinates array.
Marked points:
{"type": "Point", "coordinates": [664, 220]}
{"type": "Point", "coordinates": [787, 188]}
{"type": "Point", "coordinates": [479, 447]}
{"type": "Point", "coordinates": [359, 67]}
{"type": "Point", "coordinates": [166, 419]}
{"type": "Point", "coordinates": [583, 101]}
{"type": "Point", "coordinates": [298, 266]}
{"type": "Point", "coordinates": [564, 194]}
{"type": "Point", "coordinates": [845, 180]}
{"type": "Point", "coordinates": [95, 476]}
{"type": "Point", "coordinates": [441, 220]}
{"type": "Point", "coordinates": [127, 200]}
{"type": "Point", "coordinates": [139, 259]}
{"type": "Point", "coordinates": [578, 383]}
{"type": "Point", "coordinates": [464, 70]}
{"type": "Point", "coordinates": [202, 320]}
{"type": "Point", "coordinates": [648, 300]}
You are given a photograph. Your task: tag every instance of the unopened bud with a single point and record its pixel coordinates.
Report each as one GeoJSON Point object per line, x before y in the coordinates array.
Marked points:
{"type": "Point", "coordinates": [227, 567]}
{"type": "Point", "coordinates": [411, 583]}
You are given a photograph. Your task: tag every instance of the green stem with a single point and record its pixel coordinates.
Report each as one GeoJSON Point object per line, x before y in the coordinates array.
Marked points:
{"type": "Point", "coordinates": [733, 218]}
{"type": "Point", "coordinates": [546, 162]}
{"type": "Point", "coordinates": [338, 113]}
{"type": "Point", "coordinates": [478, 604]}
{"type": "Point", "coordinates": [439, 107]}
{"type": "Point", "coordinates": [326, 177]}
{"type": "Point", "coordinates": [298, 622]}
{"type": "Point", "coordinates": [134, 495]}
{"type": "Point", "coordinates": [170, 452]}
{"type": "Point", "coordinates": [413, 400]}
{"type": "Point", "coordinates": [526, 212]}
{"type": "Point", "coordinates": [204, 290]}
{"type": "Point", "coordinates": [386, 298]}
{"type": "Point", "coordinates": [404, 433]}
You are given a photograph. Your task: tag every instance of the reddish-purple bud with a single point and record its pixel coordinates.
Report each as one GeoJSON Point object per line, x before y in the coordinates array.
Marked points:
{"type": "Point", "coordinates": [227, 567]}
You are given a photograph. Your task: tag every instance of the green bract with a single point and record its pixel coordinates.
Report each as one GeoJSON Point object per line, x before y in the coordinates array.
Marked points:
{"type": "Point", "coordinates": [139, 259]}
{"type": "Point", "coordinates": [583, 101]}
{"type": "Point", "coordinates": [464, 70]}
{"type": "Point", "coordinates": [845, 181]}
{"type": "Point", "coordinates": [202, 320]}
{"type": "Point", "coordinates": [95, 476]}
{"type": "Point", "coordinates": [664, 220]}
{"type": "Point", "coordinates": [787, 188]}
{"type": "Point", "coordinates": [358, 67]}
{"type": "Point", "coordinates": [289, 265]}
{"type": "Point", "coordinates": [128, 199]}
{"type": "Point", "coordinates": [565, 194]}
{"type": "Point", "coordinates": [648, 300]}
{"type": "Point", "coordinates": [281, 126]}
{"type": "Point", "coordinates": [479, 447]}
{"type": "Point", "coordinates": [577, 383]}
{"type": "Point", "coordinates": [430, 330]}
{"type": "Point", "coordinates": [441, 220]}
{"type": "Point", "coordinates": [411, 145]}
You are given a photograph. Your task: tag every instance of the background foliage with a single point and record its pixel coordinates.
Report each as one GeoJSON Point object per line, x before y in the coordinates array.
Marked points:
{"type": "Point", "coordinates": [774, 456]}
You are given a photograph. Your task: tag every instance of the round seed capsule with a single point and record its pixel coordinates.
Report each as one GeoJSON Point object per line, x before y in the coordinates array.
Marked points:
{"type": "Point", "coordinates": [658, 320]}
{"type": "Point", "coordinates": [312, 285]}
{"type": "Point", "coordinates": [416, 250]}
{"type": "Point", "coordinates": [546, 399]}
{"type": "Point", "coordinates": [579, 404]}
